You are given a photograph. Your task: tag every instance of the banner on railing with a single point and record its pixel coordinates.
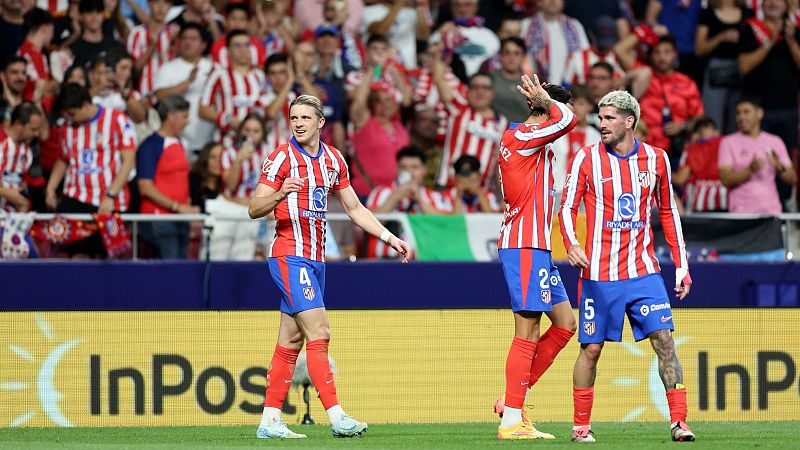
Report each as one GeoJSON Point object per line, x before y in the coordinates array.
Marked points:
{"type": "Point", "coordinates": [208, 368]}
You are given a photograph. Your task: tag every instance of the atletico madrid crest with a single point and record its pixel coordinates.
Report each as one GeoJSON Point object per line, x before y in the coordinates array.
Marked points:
{"type": "Point", "coordinates": [546, 296]}
{"type": "Point", "coordinates": [645, 179]}
{"type": "Point", "coordinates": [308, 293]}
{"type": "Point", "coordinates": [588, 328]}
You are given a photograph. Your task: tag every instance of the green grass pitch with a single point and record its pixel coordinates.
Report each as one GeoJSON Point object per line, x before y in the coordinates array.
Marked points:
{"type": "Point", "coordinates": [716, 435]}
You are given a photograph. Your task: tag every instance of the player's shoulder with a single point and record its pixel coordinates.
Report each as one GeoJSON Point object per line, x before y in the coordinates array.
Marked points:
{"type": "Point", "coordinates": [657, 151]}
{"type": "Point", "coordinates": [336, 152]}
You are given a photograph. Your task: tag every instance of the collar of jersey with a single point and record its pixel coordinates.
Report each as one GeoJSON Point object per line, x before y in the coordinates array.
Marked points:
{"type": "Point", "coordinates": [612, 152]}
{"type": "Point", "coordinates": [300, 148]}
{"type": "Point", "coordinates": [97, 115]}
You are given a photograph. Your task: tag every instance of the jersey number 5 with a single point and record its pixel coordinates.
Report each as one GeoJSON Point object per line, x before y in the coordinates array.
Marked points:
{"type": "Point", "coordinates": [588, 309]}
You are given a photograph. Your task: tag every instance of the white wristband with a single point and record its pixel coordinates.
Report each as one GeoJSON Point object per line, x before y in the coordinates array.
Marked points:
{"type": "Point", "coordinates": [386, 235]}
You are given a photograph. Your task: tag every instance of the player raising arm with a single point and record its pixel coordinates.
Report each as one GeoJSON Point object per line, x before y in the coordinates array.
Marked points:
{"type": "Point", "coordinates": [620, 179]}
{"type": "Point", "coordinates": [526, 176]}
{"type": "Point", "coordinates": [295, 183]}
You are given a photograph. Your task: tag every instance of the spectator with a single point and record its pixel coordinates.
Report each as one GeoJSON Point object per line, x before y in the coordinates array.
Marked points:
{"type": "Point", "coordinates": [241, 171]}
{"type": "Point", "coordinates": [96, 163]}
{"type": "Point", "coordinates": [115, 25]}
{"type": "Point", "coordinates": [406, 194]}
{"type": "Point", "coordinates": [275, 28]}
{"type": "Point", "coordinates": [424, 135]}
{"type": "Point", "coordinates": [551, 37]}
{"type": "Point", "coordinates": [680, 19]}
{"type": "Point", "coordinates": [770, 63]}
{"type": "Point", "coordinates": [112, 85]}
{"type": "Point", "coordinates": [750, 159]}
{"type": "Point", "coordinates": [382, 67]}
{"type": "Point", "coordinates": [16, 155]}
{"type": "Point", "coordinates": [331, 64]}
{"type": "Point", "coordinates": [603, 37]}
{"type": "Point", "coordinates": [378, 136]}
{"type": "Point", "coordinates": [473, 128]}
{"type": "Point", "coordinates": [40, 28]}
{"type": "Point", "coordinates": [204, 179]}
{"type": "Point", "coordinates": [588, 12]}
{"type": "Point", "coordinates": [163, 178]}
{"type": "Point", "coordinates": [466, 37]}
{"type": "Point", "coordinates": [717, 38]}
{"type": "Point", "coordinates": [281, 93]}
{"type": "Point", "coordinates": [426, 93]}
{"type": "Point", "coordinates": [150, 44]}
{"type": "Point", "coordinates": [14, 80]}
{"type": "Point", "coordinates": [203, 13]}
{"type": "Point", "coordinates": [698, 171]}
{"type": "Point", "coordinates": [91, 41]}
{"type": "Point", "coordinates": [50, 150]}
{"type": "Point", "coordinates": [309, 14]}
{"type": "Point", "coordinates": [467, 196]}
{"type": "Point", "coordinates": [403, 23]}
{"type": "Point", "coordinates": [352, 48]}
{"type": "Point", "coordinates": [186, 76]}
{"type": "Point", "coordinates": [233, 93]}
{"type": "Point", "coordinates": [672, 101]}
{"type": "Point", "coordinates": [507, 100]}
{"type": "Point", "coordinates": [237, 17]}
{"type": "Point", "coordinates": [334, 102]}
{"type": "Point", "coordinates": [12, 27]}
{"type": "Point", "coordinates": [510, 26]}
{"type": "Point", "coordinates": [582, 135]}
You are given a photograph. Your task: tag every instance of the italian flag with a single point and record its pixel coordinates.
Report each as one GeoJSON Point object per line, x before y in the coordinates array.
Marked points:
{"type": "Point", "coordinates": [471, 237]}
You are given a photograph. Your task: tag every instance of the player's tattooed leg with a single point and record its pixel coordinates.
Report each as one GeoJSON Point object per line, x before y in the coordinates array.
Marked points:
{"type": "Point", "coordinates": [669, 366]}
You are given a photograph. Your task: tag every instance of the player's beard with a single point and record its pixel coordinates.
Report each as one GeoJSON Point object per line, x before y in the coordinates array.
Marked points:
{"type": "Point", "coordinates": [613, 139]}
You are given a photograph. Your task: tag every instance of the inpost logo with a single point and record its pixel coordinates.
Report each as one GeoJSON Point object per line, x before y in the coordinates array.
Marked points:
{"type": "Point", "coordinates": [49, 397]}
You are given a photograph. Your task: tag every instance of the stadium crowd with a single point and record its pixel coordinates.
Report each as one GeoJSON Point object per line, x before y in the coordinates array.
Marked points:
{"type": "Point", "coordinates": [159, 107]}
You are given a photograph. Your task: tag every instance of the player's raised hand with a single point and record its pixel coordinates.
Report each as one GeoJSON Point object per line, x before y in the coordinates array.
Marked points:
{"type": "Point", "coordinates": [683, 283]}
{"type": "Point", "coordinates": [291, 184]}
{"type": "Point", "coordinates": [577, 257]}
{"type": "Point", "coordinates": [401, 247]}
{"type": "Point", "coordinates": [534, 92]}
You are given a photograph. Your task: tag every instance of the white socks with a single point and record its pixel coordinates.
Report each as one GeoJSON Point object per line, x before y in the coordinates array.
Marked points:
{"type": "Point", "coordinates": [511, 417]}
{"type": "Point", "coordinates": [335, 413]}
{"type": "Point", "coordinates": [269, 416]}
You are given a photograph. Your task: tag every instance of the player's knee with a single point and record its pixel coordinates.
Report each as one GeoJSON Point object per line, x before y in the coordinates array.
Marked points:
{"type": "Point", "coordinates": [592, 352]}
{"type": "Point", "coordinates": [321, 333]}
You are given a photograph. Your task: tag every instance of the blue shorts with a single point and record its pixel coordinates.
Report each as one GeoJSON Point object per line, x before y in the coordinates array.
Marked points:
{"type": "Point", "coordinates": [604, 304]}
{"type": "Point", "coordinates": [533, 280]}
{"type": "Point", "coordinates": [301, 281]}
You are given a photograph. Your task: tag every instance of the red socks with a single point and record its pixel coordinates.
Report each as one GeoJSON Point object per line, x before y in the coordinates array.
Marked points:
{"type": "Point", "coordinates": [320, 371]}
{"type": "Point", "coordinates": [550, 344]}
{"type": "Point", "coordinates": [676, 399]}
{"type": "Point", "coordinates": [582, 399]}
{"type": "Point", "coordinates": [518, 371]}
{"type": "Point", "coordinates": [279, 376]}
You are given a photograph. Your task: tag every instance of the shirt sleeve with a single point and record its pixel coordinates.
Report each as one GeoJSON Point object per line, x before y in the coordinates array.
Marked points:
{"type": "Point", "coordinates": [747, 40]}
{"type": "Point", "coordinates": [725, 157]}
{"type": "Point", "coordinates": [562, 120]}
{"type": "Point", "coordinates": [668, 212]}
{"type": "Point", "coordinates": [125, 134]}
{"type": "Point", "coordinates": [574, 187]}
{"type": "Point", "coordinates": [781, 152]}
{"type": "Point", "coordinates": [343, 181]}
{"type": "Point", "coordinates": [275, 168]}
{"type": "Point", "coordinates": [147, 157]}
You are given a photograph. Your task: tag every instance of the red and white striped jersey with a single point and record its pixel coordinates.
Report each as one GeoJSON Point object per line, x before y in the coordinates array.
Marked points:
{"type": "Point", "coordinates": [15, 160]}
{"type": "Point", "coordinates": [619, 193]}
{"type": "Point", "coordinates": [139, 43]}
{"type": "Point", "coordinates": [526, 177]}
{"type": "Point", "coordinates": [301, 217]}
{"type": "Point", "coordinates": [230, 92]}
{"type": "Point", "coordinates": [703, 192]}
{"type": "Point", "coordinates": [93, 152]}
{"type": "Point", "coordinates": [378, 196]}
{"type": "Point", "coordinates": [470, 133]}
{"type": "Point", "coordinates": [250, 172]}
{"type": "Point", "coordinates": [425, 93]}
{"type": "Point", "coordinates": [580, 63]}
{"type": "Point", "coordinates": [219, 52]}
{"type": "Point", "coordinates": [38, 68]}
{"type": "Point", "coordinates": [279, 129]}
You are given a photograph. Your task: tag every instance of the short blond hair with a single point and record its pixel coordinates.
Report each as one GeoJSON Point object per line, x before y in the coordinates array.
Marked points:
{"type": "Point", "coordinates": [309, 100]}
{"type": "Point", "coordinates": [625, 103]}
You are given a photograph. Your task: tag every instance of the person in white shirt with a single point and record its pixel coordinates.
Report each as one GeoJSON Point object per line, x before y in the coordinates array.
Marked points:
{"type": "Point", "coordinates": [185, 76]}
{"type": "Point", "coordinates": [551, 37]}
{"type": "Point", "coordinates": [467, 37]}
{"type": "Point", "coordinates": [402, 22]}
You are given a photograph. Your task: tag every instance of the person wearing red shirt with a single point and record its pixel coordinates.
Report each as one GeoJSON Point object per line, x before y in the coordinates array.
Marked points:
{"type": "Point", "coordinates": [16, 156]}
{"type": "Point", "coordinates": [40, 32]}
{"type": "Point", "coordinates": [698, 170]}
{"type": "Point", "coordinates": [150, 44]}
{"type": "Point", "coordinates": [236, 18]}
{"type": "Point", "coordinates": [671, 102]}
{"type": "Point", "coordinates": [163, 173]}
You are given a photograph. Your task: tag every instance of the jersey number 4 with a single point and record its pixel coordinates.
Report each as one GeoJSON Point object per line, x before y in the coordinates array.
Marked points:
{"type": "Point", "coordinates": [304, 278]}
